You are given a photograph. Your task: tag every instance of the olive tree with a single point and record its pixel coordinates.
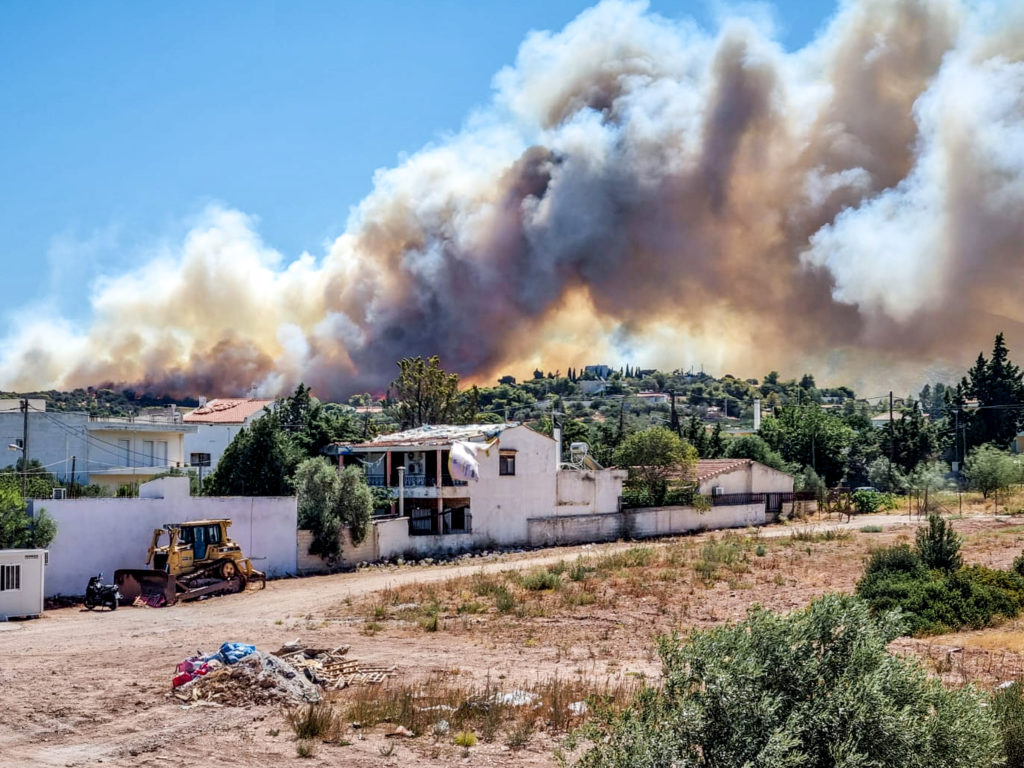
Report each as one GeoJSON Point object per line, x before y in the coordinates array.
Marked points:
{"type": "Point", "coordinates": [657, 459]}
{"type": "Point", "coordinates": [329, 501]}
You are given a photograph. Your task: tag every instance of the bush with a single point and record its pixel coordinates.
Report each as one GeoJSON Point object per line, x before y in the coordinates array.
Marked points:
{"type": "Point", "coordinates": [312, 721]}
{"type": "Point", "coordinates": [812, 688]}
{"type": "Point", "coordinates": [973, 597]}
{"type": "Point", "coordinates": [939, 545]}
{"type": "Point", "coordinates": [868, 502]}
{"type": "Point", "coordinates": [17, 529]}
{"type": "Point", "coordinates": [538, 581]}
{"type": "Point", "coordinates": [900, 559]}
{"type": "Point", "coordinates": [1008, 710]}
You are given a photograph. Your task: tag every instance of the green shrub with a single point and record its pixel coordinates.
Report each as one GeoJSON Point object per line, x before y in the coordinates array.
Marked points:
{"type": "Point", "coordinates": [1008, 710]}
{"type": "Point", "coordinates": [898, 559]}
{"type": "Point", "coordinates": [933, 603]}
{"type": "Point", "coordinates": [537, 581]}
{"type": "Point", "coordinates": [634, 557]}
{"type": "Point", "coordinates": [939, 545]}
{"type": "Point", "coordinates": [812, 688]}
{"type": "Point", "coordinates": [465, 739]}
{"type": "Point", "coordinates": [578, 570]}
{"type": "Point", "coordinates": [1018, 565]}
{"type": "Point", "coordinates": [867, 502]}
{"type": "Point", "coordinates": [871, 529]}
{"type": "Point", "coordinates": [504, 600]}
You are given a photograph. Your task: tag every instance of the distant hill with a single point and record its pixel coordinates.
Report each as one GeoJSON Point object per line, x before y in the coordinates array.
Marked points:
{"type": "Point", "coordinates": [101, 402]}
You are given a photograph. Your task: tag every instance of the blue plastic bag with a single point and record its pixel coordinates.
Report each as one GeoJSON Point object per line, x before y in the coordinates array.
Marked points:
{"type": "Point", "coordinates": [234, 652]}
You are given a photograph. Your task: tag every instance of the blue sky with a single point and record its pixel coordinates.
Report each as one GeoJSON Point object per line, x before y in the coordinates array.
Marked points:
{"type": "Point", "coordinates": [121, 120]}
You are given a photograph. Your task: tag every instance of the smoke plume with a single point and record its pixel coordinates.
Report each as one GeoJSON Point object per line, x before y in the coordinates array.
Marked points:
{"type": "Point", "coordinates": [637, 190]}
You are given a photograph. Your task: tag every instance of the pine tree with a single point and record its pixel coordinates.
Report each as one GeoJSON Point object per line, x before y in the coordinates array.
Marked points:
{"type": "Point", "coordinates": [998, 386]}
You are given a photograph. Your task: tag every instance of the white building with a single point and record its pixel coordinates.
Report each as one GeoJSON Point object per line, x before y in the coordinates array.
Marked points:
{"type": "Point", "coordinates": [521, 478]}
{"type": "Point", "coordinates": [109, 451]}
{"type": "Point", "coordinates": [735, 481]}
{"type": "Point", "coordinates": [22, 576]}
{"type": "Point", "coordinates": [217, 422]}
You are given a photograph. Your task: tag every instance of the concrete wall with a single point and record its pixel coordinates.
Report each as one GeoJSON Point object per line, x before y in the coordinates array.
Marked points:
{"type": "Point", "coordinates": [666, 521]}
{"type": "Point", "coordinates": [351, 555]}
{"type": "Point", "coordinates": [96, 535]}
{"type": "Point", "coordinates": [640, 523]}
{"type": "Point", "coordinates": [575, 529]}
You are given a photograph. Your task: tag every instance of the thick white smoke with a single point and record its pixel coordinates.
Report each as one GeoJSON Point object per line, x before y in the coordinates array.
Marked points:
{"type": "Point", "coordinates": [636, 186]}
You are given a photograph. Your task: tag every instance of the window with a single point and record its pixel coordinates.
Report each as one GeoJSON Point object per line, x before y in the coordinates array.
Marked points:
{"type": "Point", "coordinates": [507, 463]}
{"type": "Point", "coordinates": [147, 453]}
{"type": "Point", "coordinates": [160, 453]}
{"type": "Point", "coordinates": [199, 459]}
{"type": "Point", "coordinates": [10, 578]}
{"type": "Point", "coordinates": [124, 450]}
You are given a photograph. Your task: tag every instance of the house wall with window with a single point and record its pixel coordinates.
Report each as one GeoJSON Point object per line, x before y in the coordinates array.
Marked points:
{"type": "Point", "coordinates": [108, 452]}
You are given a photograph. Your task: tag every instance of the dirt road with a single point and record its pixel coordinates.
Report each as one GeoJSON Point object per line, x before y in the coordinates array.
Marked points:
{"type": "Point", "coordinates": [90, 688]}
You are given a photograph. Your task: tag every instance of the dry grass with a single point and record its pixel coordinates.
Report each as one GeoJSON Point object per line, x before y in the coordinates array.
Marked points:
{"type": "Point", "coordinates": [445, 703]}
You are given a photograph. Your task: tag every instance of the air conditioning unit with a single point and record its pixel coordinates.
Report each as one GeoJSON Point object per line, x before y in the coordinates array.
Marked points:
{"type": "Point", "coordinates": [415, 468]}
{"type": "Point", "coordinates": [60, 493]}
{"type": "Point", "coordinates": [717, 490]}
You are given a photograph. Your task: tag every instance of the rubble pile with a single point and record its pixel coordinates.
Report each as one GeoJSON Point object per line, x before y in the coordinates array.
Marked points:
{"type": "Point", "coordinates": [242, 675]}
{"type": "Point", "coordinates": [332, 669]}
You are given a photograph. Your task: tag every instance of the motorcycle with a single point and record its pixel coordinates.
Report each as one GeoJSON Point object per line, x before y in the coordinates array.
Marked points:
{"type": "Point", "coordinates": [99, 594]}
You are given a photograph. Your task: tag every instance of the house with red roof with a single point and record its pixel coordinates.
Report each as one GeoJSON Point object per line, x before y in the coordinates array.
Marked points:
{"type": "Point", "coordinates": [217, 422]}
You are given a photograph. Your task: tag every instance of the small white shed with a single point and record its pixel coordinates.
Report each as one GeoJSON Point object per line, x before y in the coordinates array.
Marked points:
{"type": "Point", "coordinates": [21, 582]}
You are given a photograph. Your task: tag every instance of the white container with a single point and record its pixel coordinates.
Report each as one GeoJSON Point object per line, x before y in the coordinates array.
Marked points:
{"type": "Point", "coordinates": [22, 573]}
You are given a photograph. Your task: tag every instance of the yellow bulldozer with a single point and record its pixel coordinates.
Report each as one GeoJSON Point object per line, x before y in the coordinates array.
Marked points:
{"type": "Point", "coordinates": [199, 559]}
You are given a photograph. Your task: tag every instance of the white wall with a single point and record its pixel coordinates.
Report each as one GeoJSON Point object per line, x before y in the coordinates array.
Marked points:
{"type": "Point", "coordinates": [589, 491]}
{"type": "Point", "coordinates": [753, 477]}
{"type": "Point", "coordinates": [96, 535]}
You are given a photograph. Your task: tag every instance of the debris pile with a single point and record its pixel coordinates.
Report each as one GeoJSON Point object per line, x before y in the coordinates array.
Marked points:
{"type": "Point", "coordinates": [240, 675]}
{"type": "Point", "coordinates": [332, 669]}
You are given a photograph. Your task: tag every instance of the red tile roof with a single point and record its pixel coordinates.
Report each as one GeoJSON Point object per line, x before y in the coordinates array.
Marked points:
{"type": "Point", "coordinates": [707, 468]}
{"type": "Point", "coordinates": [227, 410]}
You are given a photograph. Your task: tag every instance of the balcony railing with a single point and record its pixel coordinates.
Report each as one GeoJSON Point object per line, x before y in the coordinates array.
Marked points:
{"type": "Point", "coordinates": [736, 499]}
{"type": "Point", "coordinates": [380, 480]}
{"type": "Point", "coordinates": [441, 523]}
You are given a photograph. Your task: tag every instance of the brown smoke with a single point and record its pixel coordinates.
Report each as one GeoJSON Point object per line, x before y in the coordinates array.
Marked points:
{"type": "Point", "coordinates": [638, 190]}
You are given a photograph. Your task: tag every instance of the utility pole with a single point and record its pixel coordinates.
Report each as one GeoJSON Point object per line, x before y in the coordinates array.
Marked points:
{"type": "Point", "coordinates": [892, 442]}
{"type": "Point", "coordinates": [24, 450]}
{"type": "Point", "coordinates": [73, 459]}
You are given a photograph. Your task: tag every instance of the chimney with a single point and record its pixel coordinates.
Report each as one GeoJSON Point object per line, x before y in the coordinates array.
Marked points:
{"type": "Point", "coordinates": [757, 413]}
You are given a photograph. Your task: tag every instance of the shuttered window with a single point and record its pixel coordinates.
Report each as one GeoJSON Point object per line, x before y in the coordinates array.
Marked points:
{"type": "Point", "coordinates": [10, 578]}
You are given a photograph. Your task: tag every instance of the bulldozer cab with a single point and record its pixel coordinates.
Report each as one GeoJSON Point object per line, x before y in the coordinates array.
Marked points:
{"type": "Point", "coordinates": [201, 536]}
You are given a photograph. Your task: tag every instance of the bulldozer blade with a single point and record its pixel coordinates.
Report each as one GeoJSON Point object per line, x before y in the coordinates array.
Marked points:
{"type": "Point", "coordinates": [155, 587]}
